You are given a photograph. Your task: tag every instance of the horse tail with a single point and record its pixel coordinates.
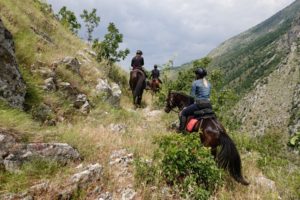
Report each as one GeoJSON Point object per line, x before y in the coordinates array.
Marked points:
{"type": "Point", "coordinates": [229, 158]}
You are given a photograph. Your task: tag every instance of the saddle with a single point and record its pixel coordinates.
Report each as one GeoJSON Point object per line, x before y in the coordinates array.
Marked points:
{"type": "Point", "coordinates": [193, 121]}
{"type": "Point", "coordinates": [204, 113]}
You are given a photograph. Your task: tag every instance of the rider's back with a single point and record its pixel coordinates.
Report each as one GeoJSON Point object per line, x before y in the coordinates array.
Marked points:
{"type": "Point", "coordinates": [137, 62]}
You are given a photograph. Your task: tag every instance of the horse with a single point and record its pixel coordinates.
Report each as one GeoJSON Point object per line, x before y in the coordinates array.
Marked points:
{"type": "Point", "coordinates": [137, 85]}
{"type": "Point", "coordinates": [212, 134]}
{"type": "Point", "coordinates": [154, 85]}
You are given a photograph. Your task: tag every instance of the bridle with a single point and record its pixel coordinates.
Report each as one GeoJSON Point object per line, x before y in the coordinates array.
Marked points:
{"type": "Point", "coordinates": [170, 105]}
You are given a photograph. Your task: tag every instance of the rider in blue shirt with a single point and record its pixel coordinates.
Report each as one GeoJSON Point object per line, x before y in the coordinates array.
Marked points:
{"type": "Point", "coordinates": [201, 93]}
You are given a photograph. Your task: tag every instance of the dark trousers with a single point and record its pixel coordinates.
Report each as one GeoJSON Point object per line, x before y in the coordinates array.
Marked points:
{"type": "Point", "coordinates": [185, 113]}
{"type": "Point", "coordinates": [188, 111]}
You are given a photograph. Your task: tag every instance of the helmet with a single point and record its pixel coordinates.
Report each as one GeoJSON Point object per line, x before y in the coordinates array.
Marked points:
{"type": "Point", "coordinates": [155, 66]}
{"type": "Point", "coordinates": [201, 72]}
{"type": "Point", "coordinates": [139, 52]}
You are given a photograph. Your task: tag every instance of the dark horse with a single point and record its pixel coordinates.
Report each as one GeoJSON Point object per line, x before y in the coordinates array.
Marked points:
{"type": "Point", "coordinates": [212, 134]}
{"type": "Point", "coordinates": [137, 85]}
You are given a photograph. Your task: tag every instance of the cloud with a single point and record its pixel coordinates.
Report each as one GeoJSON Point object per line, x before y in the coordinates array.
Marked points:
{"type": "Point", "coordinates": [165, 28]}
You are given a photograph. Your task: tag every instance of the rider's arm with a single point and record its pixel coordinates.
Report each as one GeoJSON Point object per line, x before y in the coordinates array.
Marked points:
{"type": "Point", "coordinates": [193, 90]}
{"type": "Point", "coordinates": [142, 61]}
{"type": "Point", "coordinates": [132, 60]}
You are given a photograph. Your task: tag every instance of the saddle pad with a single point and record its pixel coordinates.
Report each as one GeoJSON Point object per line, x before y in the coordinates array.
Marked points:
{"type": "Point", "coordinates": [190, 125]}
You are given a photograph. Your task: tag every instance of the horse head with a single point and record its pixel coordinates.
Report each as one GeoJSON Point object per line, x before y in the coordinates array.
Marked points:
{"type": "Point", "coordinates": [170, 102]}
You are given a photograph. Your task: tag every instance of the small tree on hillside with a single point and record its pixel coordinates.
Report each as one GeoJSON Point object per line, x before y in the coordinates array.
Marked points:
{"type": "Point", "coordinates": [68, 19]}
{"type": "Point", "coordinates": [108, 48]}
{"type": "Point", "coordinates": [91, 21]}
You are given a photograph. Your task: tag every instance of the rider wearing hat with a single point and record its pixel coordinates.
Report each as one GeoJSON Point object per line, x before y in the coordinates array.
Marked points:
{"type": "Point", "coordinates": [137, 61]}
{"type": "Point", "coordinates": [201, 93]}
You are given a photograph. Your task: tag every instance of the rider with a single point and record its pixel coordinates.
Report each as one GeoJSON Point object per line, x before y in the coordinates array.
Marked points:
{"type": "Point", "coordinates": [201, 93]}
{"type": "Point", "coordinates": [155, 74]}
{"type": "Point", "coordinates": [137, 62]}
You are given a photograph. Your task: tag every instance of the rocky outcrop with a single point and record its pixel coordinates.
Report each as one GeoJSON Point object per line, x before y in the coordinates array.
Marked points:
{"type": "Point", "coordinates": [14, 153]}
{"type": "Point", "coordinates": [111, 92]}
{"type": "Point", "coordinates": [12, 85]}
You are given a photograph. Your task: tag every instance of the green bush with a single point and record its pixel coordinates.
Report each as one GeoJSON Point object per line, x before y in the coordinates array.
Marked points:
{"type": "Point", "coordinates": [182, 162]}
{"type": "Point", "coordinates": [295, 141]}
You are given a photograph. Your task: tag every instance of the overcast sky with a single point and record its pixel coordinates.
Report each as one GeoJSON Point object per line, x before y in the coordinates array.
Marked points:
{"type": "Point", "coordinates": [181, 30]}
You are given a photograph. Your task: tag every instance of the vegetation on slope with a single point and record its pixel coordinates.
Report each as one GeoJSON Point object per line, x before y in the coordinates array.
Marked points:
{"type": "Point", "coordinates": [95, 141]}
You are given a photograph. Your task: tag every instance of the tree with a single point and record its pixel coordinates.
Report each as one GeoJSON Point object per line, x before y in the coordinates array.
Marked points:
{"type": "Point", "coordinates": [108, 48]}
{"type": "Point", "coordinates": [91, 21]}
{"type": "Point", "coordinates": [68, 20]}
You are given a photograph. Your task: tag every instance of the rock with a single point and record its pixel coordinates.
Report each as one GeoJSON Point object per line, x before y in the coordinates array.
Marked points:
{"type": "Point", "coordinates": [103, 86]}
{"type": "Point", "coordinates": [7, 142]}
{"type": "Point", "coordinates": [14, 154]}
{"type": "Point", "coordinates": [12, 196]}
{"type": "Point", "coordinates": [72, 63]}
{"type": "Point", "coordinates": [106, 196]}
{"type": "Point", "coordinates": [128, 194]}
{"type": "Point", "coordinates": [90, 174]}
{"type": "Point", "coordinates": [12, 85]}
{"type": "Point", "coordinates": [80, 100]}
{"type": "Point", "coordinates": [12, 163]}
{"type": "Point", "coordinates": [71, 91]}
{"type": "Point", "coordinates": [265, 182]}
{"type": "Point", "coordinates": [115, 95]}
{"type": "Point", "coordinates": [118, 128]}
{"type": "Point", "coordinates": [112, 92]}
{"type": "Point", "coordinates": [50, 84]}
{"type": "Point", "coordinates": [82, 103]}
{"type": "Point", "coordinates": [61, 152]}
{"type": "Point", "coordinates": [121, 157]}
{"type": "Point", "coordinates": [85, 108]}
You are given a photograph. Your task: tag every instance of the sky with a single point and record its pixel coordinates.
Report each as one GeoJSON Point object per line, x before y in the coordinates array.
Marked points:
{"type": "Point", "coordinates": [178, 30]}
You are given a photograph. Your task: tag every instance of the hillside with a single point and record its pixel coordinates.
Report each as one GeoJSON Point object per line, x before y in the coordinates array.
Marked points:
{"type": "Point", "coordinates": [262, 64]}
{"type": "Point", "coordinates": [68, 129]}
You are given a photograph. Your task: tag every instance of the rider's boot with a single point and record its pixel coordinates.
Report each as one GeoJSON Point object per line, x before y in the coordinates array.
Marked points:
{"type": "Point", "coordinates": [182, 123]}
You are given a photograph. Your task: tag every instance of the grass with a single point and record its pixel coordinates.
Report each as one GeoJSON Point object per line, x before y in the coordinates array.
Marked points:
{"type": "Point", "coordinates": [30, 173]}
{"type": "Point", "coordinates": [91, 135]}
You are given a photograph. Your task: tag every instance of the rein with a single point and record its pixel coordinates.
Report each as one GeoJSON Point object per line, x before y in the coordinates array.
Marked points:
{"type": "Point", "coordinates": [172, 109]}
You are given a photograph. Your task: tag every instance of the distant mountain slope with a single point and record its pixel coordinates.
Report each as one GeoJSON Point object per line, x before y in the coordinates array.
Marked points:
{"type": "Point", "coordinates": [257, 52]}
{"type": "Point", "coordinates": [262, 64]}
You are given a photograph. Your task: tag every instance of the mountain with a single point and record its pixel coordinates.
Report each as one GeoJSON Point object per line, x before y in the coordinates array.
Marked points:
{"type": "Point", "coordinates": [262, 65]}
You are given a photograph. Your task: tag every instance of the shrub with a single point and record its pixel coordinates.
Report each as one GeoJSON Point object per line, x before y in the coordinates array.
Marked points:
{"type": "Point", "coordinates": [295, 141]}
{"type": "Point", "coordinates": [183, 163]}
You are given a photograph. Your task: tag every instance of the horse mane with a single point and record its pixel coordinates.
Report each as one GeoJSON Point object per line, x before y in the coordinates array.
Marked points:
{"type": "Point", "coordinates": [182, 94]}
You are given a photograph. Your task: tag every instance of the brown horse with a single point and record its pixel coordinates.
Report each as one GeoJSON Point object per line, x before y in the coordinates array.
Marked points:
{"type": "Point", "coordinates": [212, 134]}
{"type": "Point", "coordinates": [137, 85]}
{"type": "Point", "coordinates": [154, 85]}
